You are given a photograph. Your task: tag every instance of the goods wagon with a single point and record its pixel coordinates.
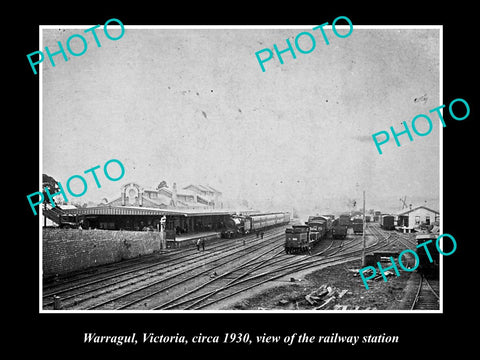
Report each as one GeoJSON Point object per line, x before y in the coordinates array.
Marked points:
{"type": "Point", "coordinates": [357, 226]}
{"type": "Point", "coordinates": [387, 222]}
{"type": "Point", "coordinates": [344, 220]}
{"type": "Point", "coordinates": [320, 221]}
{"type": "Point", "coordinates": [339, 231]}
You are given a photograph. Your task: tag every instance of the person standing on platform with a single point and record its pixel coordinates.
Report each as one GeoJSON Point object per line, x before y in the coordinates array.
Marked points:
{"type": "Point", "coordinates": [203, 244]}
{"type": "Point", "coordinates": [199, 241]}
{"type": "Point", "coordinates": [261, 235]}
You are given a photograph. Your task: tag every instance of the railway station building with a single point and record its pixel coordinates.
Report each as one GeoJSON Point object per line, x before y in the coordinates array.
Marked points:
{"type": "Point", "coordinates": [146, 218]}
{"type": "Point", "coordinates": [413, 218]}
{"type": "Point", "coordinates": [195, 208]}
{"type": "Point", "coordinates": [190, 197]}
{"type": "Point", "coordinates": [129, 226]}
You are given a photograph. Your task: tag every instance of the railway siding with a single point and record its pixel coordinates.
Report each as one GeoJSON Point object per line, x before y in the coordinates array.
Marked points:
{"type": "Point", "coordinates": [411, 250]}
{"type": "Point", "coordinates": [347, 251]}
{"type": "Point", "coordinates": [215, 278]}
{"type": "Point", "coordinates": [337, 270]}
{"type": "Point", "coordinates": [111, 289]}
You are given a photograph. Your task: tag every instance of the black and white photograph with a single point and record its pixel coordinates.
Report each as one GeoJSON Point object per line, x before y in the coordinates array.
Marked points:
{"type": "Point", "coordinates": [191, 179]}
{"type": "Point", "coordinates": [298, 185]}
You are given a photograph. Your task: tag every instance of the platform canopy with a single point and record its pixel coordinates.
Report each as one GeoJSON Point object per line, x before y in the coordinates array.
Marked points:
{"type": "Point", "coordinates": [135, 210]}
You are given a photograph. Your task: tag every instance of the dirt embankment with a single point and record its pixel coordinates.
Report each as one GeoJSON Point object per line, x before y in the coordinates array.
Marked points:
{"type": "Point", "coordinates": [345, 285]}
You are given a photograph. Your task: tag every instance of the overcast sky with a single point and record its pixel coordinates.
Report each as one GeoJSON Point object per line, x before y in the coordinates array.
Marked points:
{"type": "Point", "coordinates": [193, 106]}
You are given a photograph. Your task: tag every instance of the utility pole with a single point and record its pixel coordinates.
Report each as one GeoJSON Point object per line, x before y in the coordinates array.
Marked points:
{"type": "Point", "coordinates": [363, 233]}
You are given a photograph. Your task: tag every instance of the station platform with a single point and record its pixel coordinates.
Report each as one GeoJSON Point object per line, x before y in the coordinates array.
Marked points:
{"type": "Point", "coordinates": [191, 239]}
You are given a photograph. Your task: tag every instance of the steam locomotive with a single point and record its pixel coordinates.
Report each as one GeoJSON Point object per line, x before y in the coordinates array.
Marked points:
{"type": "Point", "coordinates": [245, 224]}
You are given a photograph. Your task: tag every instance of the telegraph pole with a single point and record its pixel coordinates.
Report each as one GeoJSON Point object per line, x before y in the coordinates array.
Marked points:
{"type": "Point", "coordinates": [363, 235]}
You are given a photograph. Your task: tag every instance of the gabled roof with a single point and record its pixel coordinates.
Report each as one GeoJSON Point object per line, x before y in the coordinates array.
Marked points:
{"type": "Point", "coordinates": [187, 192]}
{"type": "Point", "coordinates": [418, 207]}
{"type": "Point", "coordinates": [203, 188]}
{"type": "Point", "coordinates": [198, 187]}
{"type": "Point", "coordinates": [147, 201]}
{"type": "Point", "coordinates": [163, 190]}
{"type": "Point", "coordinates": [202, 200]}
{"type": "Point", "coordinates": [213, 189]}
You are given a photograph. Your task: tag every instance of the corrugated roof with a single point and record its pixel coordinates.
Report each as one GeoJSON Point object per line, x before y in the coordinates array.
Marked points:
{"type": "Point", "coordinates": [134, 210]}
{"type": "Point", "coordinates": [418, 207]}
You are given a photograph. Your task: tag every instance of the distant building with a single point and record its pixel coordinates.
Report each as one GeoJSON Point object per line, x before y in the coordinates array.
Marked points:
{"type": "Point", "coordinates": [415, 217]}
{"type": "Point", "coordinates": [190, 197]}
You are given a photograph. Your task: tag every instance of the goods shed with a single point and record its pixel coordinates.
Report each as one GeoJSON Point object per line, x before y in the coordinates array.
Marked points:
{"type": "Point", "coordinates": [417, 217]}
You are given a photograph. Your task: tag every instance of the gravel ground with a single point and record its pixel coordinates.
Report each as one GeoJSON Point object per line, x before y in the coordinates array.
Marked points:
{"type": "Point", "coordinates": [290, 295]}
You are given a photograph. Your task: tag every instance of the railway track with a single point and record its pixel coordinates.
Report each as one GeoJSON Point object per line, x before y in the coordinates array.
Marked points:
{"type": "Point", "coordinates": [192, 280]}
{"type": "Point", "coordinates": [142, 264]}
{"type": "Point", "coordinates": [96, 290]}
{"type": "Point", "coordinates": [427, 294]}
{"type": "Point", "coordinates": [408, 240]}
{"type": "Point", "coordinates": [164, 256]}
{"type": "Point", "coordinates": [277, 266]}
{"type": "Point", "coordinates": [427, 297]}
{"type": "Point", "coordinates": [195, 282]}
